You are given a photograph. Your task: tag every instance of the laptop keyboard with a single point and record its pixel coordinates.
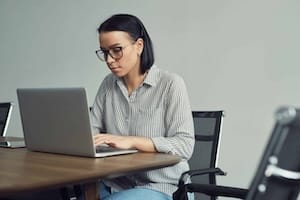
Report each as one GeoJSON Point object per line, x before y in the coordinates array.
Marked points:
{"type": "Point", "coordinates": [101, 149]}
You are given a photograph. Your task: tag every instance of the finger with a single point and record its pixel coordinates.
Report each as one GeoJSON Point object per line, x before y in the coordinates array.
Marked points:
{"type": "Point", "coordinates": [99, 140]}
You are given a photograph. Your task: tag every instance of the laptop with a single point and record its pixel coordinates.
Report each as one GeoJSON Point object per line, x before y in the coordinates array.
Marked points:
{"type": "Point", "coordinates": [57, 120]}
{"type": "Point", "coordinates": [5, 113]}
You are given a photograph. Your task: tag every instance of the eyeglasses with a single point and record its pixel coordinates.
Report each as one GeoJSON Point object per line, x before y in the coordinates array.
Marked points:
{"type": "Point", "coordinates": [115, 52]}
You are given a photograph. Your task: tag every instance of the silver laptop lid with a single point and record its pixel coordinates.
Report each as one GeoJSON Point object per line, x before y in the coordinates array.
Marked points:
{"type": "Point", "coordinates": [56, 120]}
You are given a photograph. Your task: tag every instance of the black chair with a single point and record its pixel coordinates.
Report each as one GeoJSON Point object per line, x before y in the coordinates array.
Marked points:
{"type": "Point", "coordinates": [203, 163]}
{"type": "Point", "coordinates": [277, 176]}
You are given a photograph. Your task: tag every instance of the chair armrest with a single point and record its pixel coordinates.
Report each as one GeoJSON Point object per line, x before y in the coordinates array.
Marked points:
{"type": "Point", "coordinates": [186, 175]}
{"type": "Point", "coordinates": [287, 176]}
{"type": "Point", "coordinates": [215, 190]}
{"type": "Point", "coordinates": [210, 190]}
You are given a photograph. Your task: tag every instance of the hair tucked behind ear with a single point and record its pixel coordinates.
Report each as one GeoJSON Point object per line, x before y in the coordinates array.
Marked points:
{"type": "Point", "coordinates": [135, 28]}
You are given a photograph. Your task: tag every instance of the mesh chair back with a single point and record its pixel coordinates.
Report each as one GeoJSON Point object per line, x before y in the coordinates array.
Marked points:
{"type": "Point", "coordinates": [208, 126]}
{"type": "Point", "coordinates": [278, 174]}
{"type": "Point", "coordinates": [5, 111]}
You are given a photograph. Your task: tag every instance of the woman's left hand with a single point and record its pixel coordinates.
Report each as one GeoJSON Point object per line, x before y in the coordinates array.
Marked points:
{"type": "Point", "coordinates": [121, 142]}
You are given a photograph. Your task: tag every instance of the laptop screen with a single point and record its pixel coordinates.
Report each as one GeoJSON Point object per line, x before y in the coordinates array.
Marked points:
{"type": "Point", "coordinates": [5, 110]}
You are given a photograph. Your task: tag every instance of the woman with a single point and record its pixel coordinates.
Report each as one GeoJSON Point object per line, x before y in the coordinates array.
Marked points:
{"type": "Point", "coordinates": [139, 106]}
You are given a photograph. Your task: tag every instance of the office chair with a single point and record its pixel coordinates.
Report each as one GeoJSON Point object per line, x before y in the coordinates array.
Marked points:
{"type": "Point", "coordinates": [5, 112]}
{"type": "Point", "coordinates": [277, 176]}
{"type": "Point", "coordinates": [208, 128]}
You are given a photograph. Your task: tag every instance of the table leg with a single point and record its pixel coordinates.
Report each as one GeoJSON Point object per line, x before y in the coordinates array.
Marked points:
{"type": "Point", "coordinates": [91, 191]}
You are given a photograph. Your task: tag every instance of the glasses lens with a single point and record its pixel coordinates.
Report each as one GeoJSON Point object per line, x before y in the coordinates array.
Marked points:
{"type": "Point", "coordinates": [116, 52]}
{"type": "Point", "coordinates": [101, 55]}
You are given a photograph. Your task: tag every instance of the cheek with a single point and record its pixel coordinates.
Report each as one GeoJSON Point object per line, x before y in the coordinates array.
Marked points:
{"type": "Point", "coordinates": [130, 60]}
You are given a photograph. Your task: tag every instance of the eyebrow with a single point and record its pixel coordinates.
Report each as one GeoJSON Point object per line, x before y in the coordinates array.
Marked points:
{"type": "Point", "coordinates": [111, 46]}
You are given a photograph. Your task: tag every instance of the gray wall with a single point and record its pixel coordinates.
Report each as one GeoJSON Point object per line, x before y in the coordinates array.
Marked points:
{"type": "Point", "coordinates": [240, 56]}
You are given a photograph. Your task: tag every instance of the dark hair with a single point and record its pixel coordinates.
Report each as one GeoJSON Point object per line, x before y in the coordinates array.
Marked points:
{"type": "Point", "coordinates": [135, 28]}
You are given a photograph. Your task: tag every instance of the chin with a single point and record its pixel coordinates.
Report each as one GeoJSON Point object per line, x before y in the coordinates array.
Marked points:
{"type": "Point", "coordinates": [118, 74]}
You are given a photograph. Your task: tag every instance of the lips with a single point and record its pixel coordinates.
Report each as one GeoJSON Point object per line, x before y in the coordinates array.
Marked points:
{"type": "Point", "coordinates": [114, 68]}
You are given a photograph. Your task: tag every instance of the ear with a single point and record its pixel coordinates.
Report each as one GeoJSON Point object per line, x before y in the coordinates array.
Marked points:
{"type": "Point", "coordinates": [140, 45]}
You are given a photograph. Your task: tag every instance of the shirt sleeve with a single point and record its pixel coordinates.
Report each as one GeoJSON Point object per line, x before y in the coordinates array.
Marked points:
{"type": "Point", "coordinates": [97, 111]}
{"type": "Point", "coordinates": [179, 137]}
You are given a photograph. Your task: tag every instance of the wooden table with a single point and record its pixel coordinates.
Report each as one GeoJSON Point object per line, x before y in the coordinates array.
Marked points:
{"type": "Point", "coordinates": [24, 171]}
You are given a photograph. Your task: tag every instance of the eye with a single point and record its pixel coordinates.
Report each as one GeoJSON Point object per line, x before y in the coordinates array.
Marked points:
{"type": "Point", "coordinates": [116, 50]}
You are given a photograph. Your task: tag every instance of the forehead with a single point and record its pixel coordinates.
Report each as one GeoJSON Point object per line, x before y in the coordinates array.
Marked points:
{"type": "Point", "coordinates": [107, 39]}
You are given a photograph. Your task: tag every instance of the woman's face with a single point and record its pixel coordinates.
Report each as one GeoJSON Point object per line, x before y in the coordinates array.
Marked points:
{"type": "Point", "coordinates": [123, 54]}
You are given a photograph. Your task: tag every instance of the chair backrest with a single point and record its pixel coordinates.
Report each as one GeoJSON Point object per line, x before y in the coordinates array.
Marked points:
{"type": "Point", "coordinates": [5, 112]}
{"type": "Point", "coordinates": [208, 126]}
{"type": "Point", "coordinates": [278, 174]}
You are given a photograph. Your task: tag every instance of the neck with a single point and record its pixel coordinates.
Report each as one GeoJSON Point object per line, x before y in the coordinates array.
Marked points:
{"type": "Point", "coordinates": [133, 82]}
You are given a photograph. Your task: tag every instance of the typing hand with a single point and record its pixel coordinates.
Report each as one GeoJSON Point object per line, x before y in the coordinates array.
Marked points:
{"type": "Point", "coordinates": [121, 142]}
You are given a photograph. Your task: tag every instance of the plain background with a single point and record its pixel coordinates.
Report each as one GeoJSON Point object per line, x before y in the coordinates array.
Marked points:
{"type": "Point", "coordinates": [237, 55]}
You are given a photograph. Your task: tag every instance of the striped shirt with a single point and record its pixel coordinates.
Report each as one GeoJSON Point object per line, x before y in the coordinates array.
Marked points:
{"type": "Point", "coordinates": [158, 109]}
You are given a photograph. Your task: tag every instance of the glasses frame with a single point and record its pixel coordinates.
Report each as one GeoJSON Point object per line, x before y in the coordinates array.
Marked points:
{"type": "Point", "coordinates": [103, 54]}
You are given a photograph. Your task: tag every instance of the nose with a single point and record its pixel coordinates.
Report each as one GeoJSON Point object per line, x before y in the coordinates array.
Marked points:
{"type": "Point", "coordinates": [109, 59]}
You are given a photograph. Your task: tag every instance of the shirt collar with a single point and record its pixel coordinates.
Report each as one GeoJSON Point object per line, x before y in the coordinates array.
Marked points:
{"type": "Point", "coordinates": [151, 78]}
